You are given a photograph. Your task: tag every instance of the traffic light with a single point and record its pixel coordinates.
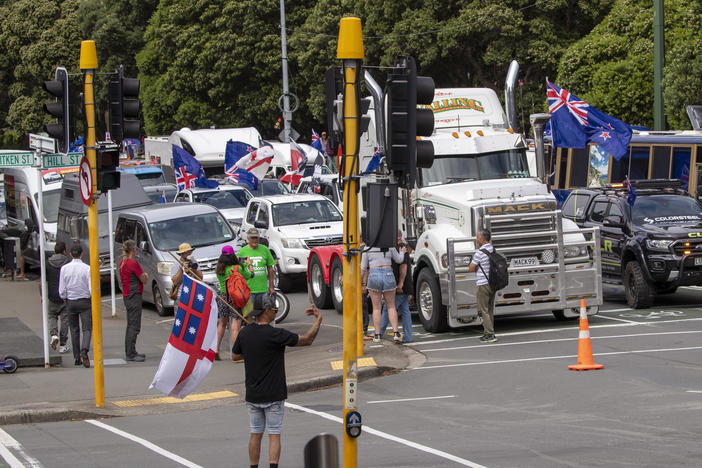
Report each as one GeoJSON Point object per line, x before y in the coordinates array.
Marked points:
{"type": "Point", "coordinates": [404, 121]}
{"type": "Point", "coordinates": [123, 94]}
{"type": "Point", "coordinates": [58, 88]}
{"type": "Point", "coordinates": [108, 177]}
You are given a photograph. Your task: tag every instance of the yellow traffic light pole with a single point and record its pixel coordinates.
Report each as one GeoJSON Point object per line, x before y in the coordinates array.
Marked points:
{"type": "Point", "coordinates": [350, 50]}
{"type": "Point", "coordinates": [88, 63]}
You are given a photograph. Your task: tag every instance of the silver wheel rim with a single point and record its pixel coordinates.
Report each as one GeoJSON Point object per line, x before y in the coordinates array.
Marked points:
{"type": "Point", "coordinates": [426, 301]}
{"type": "Point", "coordinates": [158, 302]}
{"type": "Point", "coordinates": [316, 280]}
{"type": "Point", "coordinates": [336, 286]}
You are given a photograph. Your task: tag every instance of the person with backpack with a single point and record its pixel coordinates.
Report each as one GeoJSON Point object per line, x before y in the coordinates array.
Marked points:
{"type": "Point", "coordinates": [231, 274]}
{"type": "Point", "coordinates": [484, 259]}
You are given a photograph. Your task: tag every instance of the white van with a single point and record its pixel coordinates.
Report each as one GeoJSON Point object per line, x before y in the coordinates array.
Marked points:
{"type": "Point", "coordinates": [21, 204]}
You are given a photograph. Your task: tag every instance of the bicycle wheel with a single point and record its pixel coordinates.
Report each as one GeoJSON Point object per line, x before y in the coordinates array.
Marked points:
{"type": "Point", "coordinates": [283, 304]}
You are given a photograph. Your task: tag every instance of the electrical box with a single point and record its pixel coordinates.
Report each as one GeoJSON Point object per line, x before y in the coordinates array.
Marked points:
{"type": "Point", "coordinates": [381, 214]}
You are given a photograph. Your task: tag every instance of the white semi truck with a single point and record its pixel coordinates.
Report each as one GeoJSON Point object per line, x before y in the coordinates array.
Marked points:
{"type": "Point", "coordinates": [480, 178]}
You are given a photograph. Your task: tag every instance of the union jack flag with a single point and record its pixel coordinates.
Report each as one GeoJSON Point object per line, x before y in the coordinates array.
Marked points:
{"type": "Point", "coordinates": [558, 98]}
{"type": "Point", "coordinates": [184, 179]}
{"type": "Point", "coordinates": [191, 347]}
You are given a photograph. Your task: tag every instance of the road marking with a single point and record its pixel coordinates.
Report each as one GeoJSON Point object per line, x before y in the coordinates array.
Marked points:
{"type": "Point", "coordinates": [548, 330]}
{"type": "Point", "coordinates": [166, 320]}
{"type": "Point", "coordinates": [618, 319]}
{"type": "Point", "coordinates": [362, 362]}
{"type": "Point", "coordinates": [7, 443]}
{"type": "Point", "coordinates": [149, 445]}
{"type": "Point", "coordinates": [171, 400]}
{"type": "Point", "coordinates": [546, 358]}
{"type": "Point", "coordinates": [555, 340]}
{"type": "Point", "coordinates": [694, 391]}
{"type": "Point", "coordinates": [625, 309]}
{"type": "Point", "coordinates": [412, 399]}
{"type": "Point", "coordinates": [113, 362]}
{"type": "Point", "coordinates": [385, 435]}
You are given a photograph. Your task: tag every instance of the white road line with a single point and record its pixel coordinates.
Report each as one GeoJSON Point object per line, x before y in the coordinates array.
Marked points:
{"type": "Point", "coordinates": [555, 340]}
{"type": "Point", "coordinates": [550, 330]}
{"type": "Point", "coordinates": [384, 435]}
{"type": "Point", "coordinates": [412, 399]}
{"type": "Point", "coordinates": [145, 443]}
{"type": "Point", "coordinates": [8, 442]}
{"type": "Point", "coordinates": [546, 358]}
{"type": "Point", "coordinates": [694, 391]}
{"type": "Point", "coordinates": [625, 309]}
{"type": "Point", "coordinates": [617, 319]}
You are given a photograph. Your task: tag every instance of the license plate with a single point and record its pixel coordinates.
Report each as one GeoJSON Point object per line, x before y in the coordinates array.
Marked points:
{"type": "Point", "coordinates": [524, 261]}
{"type": "Point", "coordinates": [698, 261]}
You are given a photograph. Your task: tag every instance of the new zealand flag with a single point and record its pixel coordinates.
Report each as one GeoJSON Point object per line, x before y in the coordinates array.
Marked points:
{"type": "Point", "coordinates": [574, 124]}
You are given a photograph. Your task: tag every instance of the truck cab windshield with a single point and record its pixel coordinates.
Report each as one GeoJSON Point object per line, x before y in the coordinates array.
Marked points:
{"type": "Point", "coordinates": [454, 168]}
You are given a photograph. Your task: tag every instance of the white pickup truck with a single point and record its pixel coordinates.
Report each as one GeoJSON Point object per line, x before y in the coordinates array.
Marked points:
{"type": "Point", "coordinates": [293, 224]}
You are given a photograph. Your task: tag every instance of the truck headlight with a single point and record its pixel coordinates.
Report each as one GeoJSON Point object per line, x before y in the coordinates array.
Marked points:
{"type": "Point", "coordinates": [293, 244]}
{"type": "Point", "coordinates": [164, 268]}
{"type": "Point", "coordinates": [575, 251]}
{"type": "Point", "coordinates": [548, 256]}
{"type": "Point", "coordinates": [659, 244]}
{"type": "Point", "coordinates": [459, 260]}
{"type": "Point", "coordinates": [429, 214]}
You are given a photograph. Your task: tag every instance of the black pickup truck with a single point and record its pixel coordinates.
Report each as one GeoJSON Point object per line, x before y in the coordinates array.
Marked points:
{"type": "Point", "coordinates": [651, 235]}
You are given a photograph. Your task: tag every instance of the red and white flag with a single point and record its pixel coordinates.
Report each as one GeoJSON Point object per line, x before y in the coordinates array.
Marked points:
{"type": "Point", "coordinates": [191, 347]}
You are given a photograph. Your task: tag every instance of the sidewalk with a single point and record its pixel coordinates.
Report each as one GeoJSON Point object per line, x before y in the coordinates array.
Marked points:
{"type": "Point", "coordinates": [36, 394]}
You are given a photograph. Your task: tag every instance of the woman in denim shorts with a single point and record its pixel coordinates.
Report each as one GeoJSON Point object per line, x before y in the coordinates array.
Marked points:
{"type": "Point", "coordinates": [378, 278]}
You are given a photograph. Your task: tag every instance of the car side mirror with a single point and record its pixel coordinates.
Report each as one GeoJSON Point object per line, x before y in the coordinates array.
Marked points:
{"type": "Point", "coordinates": [261, 224]}
{"type": "Point", "coordinates": [613, 222]}
{"type": "Point", "coordinates": [143, 245]}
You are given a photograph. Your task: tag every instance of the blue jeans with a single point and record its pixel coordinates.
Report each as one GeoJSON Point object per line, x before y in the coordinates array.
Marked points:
{"type": "Point", "coordinates": [403, 313]}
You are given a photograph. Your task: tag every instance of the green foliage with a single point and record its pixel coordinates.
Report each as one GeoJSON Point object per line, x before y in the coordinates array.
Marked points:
{"type": "Point", "coordinates": [612, 67]}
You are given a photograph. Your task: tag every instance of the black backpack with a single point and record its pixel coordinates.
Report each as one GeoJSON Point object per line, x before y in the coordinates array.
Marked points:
{"type": "Point", "coordinates": [499, 276]}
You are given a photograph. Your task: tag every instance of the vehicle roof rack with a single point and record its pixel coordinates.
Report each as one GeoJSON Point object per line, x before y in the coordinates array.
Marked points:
{"type": "Point", "coordinates": [656, 183]}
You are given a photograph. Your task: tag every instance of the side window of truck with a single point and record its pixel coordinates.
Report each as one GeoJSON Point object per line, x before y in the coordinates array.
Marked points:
{"type": "Point", "coordinates": [615, 214]}
{"type": "Point", "coordinates": [119, 230]}
{"type": "Point", "coordinates": [140, 235]}
{"type": "Point", "coordinates": [599, 210]}
{"type": "Point", "coordinates": [251, 213]}
{"type": "Point", "coordinates": [262, 213]}
{"type": "Point", "coordinates": [129, 226]}
{"type": "Point", "coordinates": [575, 206]}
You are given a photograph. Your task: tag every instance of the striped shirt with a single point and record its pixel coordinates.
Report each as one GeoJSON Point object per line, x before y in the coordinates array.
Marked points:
{"type": "Point", "coordinates": [481, 259]}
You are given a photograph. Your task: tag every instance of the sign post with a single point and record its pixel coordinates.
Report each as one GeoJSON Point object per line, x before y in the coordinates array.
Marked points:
{"type": "Point", "coordinates": [88, 63]}
{"type": "Point", "coordinates": [42, 261]}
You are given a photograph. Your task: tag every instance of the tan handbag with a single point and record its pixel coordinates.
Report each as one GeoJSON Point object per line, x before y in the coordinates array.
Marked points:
{"type": "Point", "coordinates": [173, 293]}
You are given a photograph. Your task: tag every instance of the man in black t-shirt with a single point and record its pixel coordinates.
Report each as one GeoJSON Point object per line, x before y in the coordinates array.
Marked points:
{"type": "Point", "coordinates": [262, 347]}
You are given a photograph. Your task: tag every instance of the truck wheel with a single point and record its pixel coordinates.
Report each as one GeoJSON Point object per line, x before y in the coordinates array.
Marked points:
{"type": "Point", "coordinates": [566, 314]}
{"type": "Point", "coordinates": [283, 304]}
{"type": "Point", "coordinates": [336, 283]}
{"type": "Point", "coordinates": [431, 312]}
{"type": "Point", "coordinates": [158, 302]}
{"type": "Point", "coordinates": [639, 292]}
{"type": "Point", "coordinates": [321, 293]}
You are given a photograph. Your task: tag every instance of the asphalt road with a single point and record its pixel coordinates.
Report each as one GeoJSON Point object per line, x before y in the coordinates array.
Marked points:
{"type": "Point", "coordinates": [511, 404]}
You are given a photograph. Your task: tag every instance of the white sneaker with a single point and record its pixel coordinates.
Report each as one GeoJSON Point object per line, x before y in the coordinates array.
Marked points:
{"type": "Point", "coordinates": [64, 349]}
{"type": "Point", "coordinates": [54, 341]}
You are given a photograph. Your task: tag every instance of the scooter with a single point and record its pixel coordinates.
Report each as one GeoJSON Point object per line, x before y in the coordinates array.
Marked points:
{"type": "Point", "coordinates": [9, 364]}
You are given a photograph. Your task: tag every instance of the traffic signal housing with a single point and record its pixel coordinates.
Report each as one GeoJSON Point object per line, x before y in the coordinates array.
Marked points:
{"type": "Point", "coordinates": [58, 88]}
{"type": "Point", "coordinates": [123, 94]}
{"type": "Point", "coordinates": [108, 177]}
{"type": "Point", "coordinates": [405, 122]}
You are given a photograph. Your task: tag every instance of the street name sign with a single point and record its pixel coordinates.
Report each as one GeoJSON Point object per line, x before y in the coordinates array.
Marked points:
{"type": "Point", "coordinates": [42, 143]}
{"type": "Point", "coordinates": [53, 161]}
{"type": "Point", "coordinates": [16, 159]}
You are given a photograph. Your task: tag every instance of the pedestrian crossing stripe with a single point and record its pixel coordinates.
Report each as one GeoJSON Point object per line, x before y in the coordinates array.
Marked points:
{"type": "Point", "coordinates": [362, 362]}
{"type": "Point", "coordinates": [171, 400]}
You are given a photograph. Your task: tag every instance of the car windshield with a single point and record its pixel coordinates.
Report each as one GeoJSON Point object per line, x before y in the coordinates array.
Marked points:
{"type": "Point", "coordinates": [666, 209]}
{"type": "Point", "coordinates": [51, 204]}
{"type": "Point", "coordinates": [460, 168]}
{"type": "Point", "coordinates": [273, 188]}
{"type": "Point", "coordinates": [304, 212]}
{"type": "Point", "coordinates": [150, 178]}
{"type": "Point", "coordinates": [223, 199]}
{"type": "Point", "coordinates": [167, 192]}
{"type": "Point", "coordinates": [198, 230]}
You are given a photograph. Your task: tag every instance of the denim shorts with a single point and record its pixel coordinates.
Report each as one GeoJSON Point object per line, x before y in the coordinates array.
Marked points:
{"type": "Point", "coordinates": [381, 280]}
{"type": "Point", "coordinates": [266, 414]}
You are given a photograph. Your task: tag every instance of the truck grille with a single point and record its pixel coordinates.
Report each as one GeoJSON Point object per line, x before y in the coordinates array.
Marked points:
{"type": "Point", "coordinates": [533, 231]}
{"type": "Point", "coordinates": [318, 241]}
{"type": "Point", "coordinates": [691, 245]}
{"type": "Point", "coordinates": [207, 265]}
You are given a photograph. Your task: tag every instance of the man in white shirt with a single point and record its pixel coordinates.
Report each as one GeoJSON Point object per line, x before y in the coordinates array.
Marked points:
{"type": "Point", "coordinates": [485, 294]}
{"type": "Point", "coordinates": [74, 287]}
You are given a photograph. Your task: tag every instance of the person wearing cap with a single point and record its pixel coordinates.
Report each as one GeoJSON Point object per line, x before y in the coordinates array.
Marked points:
{"type": "Point", "coordinates": [262, 347]}
{"type": "Point", "coordinates": [226, 264]}
{"type": "Point", "coordinates": [261, 282]}
{"type": "Point", "coordinates": [185, 252]}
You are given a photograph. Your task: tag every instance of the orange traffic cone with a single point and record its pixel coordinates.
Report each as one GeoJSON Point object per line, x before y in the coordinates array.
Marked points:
{"type": "Point", "coordinates": [585, 359]}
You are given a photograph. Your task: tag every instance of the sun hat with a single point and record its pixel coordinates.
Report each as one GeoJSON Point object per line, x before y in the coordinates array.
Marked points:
{"type": "Point", "coordinates": [184, 247]}
{"type": "Point", "coordinates": [227, 250]}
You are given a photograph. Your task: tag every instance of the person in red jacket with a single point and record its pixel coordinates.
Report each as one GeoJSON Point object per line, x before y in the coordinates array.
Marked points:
{"type": "Point", "coordinates": [133, 279]}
